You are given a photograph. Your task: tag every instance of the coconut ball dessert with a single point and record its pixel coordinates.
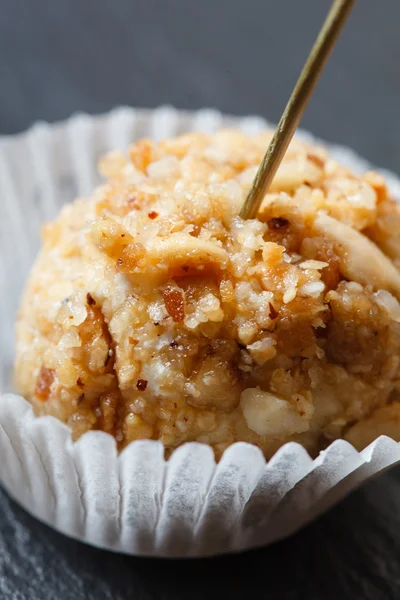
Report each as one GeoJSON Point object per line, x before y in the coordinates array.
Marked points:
{"type": "Point", "coordinates": [154, 311]}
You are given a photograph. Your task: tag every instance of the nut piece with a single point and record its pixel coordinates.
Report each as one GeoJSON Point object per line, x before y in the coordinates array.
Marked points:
{"type": "Point", "coordinates": [117, 243]}
{"type": "Point", "coordinates": [293, 172]}
{"type": "Point", "coordinates": [266, 414]}
{"type": "Point", "coordinates": [182, 248]}
{"type": "Point", "coordinates": [360, 259]}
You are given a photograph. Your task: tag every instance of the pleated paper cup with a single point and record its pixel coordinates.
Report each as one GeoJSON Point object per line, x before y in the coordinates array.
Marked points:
{"type": "Point", "coordinates": [137, 502]}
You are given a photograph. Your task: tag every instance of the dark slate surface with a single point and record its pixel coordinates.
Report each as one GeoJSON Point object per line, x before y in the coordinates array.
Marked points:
{"type": "Point", "coordinates": [60, 57]}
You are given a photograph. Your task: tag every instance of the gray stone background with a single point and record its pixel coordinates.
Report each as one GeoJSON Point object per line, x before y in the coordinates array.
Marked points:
{"type": "Point", "coordinates": [242, 57]}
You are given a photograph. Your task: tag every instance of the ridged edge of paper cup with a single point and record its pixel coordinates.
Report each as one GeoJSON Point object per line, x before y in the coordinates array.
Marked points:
{"type": "Point", "coordinates": [188, 506]}
{"type": "Point", "coordinates": [136, 502]}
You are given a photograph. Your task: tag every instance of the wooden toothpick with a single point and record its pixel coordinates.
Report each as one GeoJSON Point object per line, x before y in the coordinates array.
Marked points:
{"type": "Point", "coordinates": [297, 103]}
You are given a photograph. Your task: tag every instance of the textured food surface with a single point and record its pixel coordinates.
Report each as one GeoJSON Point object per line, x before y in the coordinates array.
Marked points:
{"type": "Point", "coordinates": [154, 311]}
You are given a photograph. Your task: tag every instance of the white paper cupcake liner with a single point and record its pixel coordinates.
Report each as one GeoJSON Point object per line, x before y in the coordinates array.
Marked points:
{"type": "Point", "coordinates": [136, 502]}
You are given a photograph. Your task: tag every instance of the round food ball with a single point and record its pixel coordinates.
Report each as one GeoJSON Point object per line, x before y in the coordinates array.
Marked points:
{"type": "Point", "coordinates": [155, 312]}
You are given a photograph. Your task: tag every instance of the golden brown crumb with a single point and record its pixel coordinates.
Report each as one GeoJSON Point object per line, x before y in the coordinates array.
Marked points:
{"type": "Point", "coordinates": [43, 383]}
{"type": "Point", "coordinates": [174, 303]}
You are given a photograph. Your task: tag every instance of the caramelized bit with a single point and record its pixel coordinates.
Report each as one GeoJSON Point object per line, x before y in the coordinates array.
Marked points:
{"type": "Point", "coordinates": [90, 300]}
{"type": "Point", "coordinates": [272, 312]}
{"type": "Point", "coordinates": [174, 303]}
{"type": "Point", "coordinates": [132, 257]}
{"type": "Point", "coordinates": [109, 355]}
{"type": "Point", "coordinates": [108, 404]}
{"type": "Point", "coordinates": [153, 214]}
{"type": "Point", "coordinates": [141, 384]}
{"type": "Point", "coordinates": [319, 248]}
{"type": "Point", "coordinates": [317, 160]}
{"type": "Point", "coordinates": [80, 383]}
{"type": "Point", "coordinates": [278, 223]}
{"type": "Point", "coordinates": [97, 342]}
{"type": "Point", "coordinates": [43, 383]}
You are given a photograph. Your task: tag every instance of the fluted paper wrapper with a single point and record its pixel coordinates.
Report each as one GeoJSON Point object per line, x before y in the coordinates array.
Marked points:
{"type": "Point", "coordinates": [136, 502]}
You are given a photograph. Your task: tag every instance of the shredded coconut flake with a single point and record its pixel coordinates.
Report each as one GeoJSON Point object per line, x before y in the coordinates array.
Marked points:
{"type": "Point", "coordinates": [389, 303]}
{"type": "Point", "coordinates": [312, 288]}
{"type": "Point", "coordinates": [313, 264]}
{"type": "Point", "coordinates": [289, 295]}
